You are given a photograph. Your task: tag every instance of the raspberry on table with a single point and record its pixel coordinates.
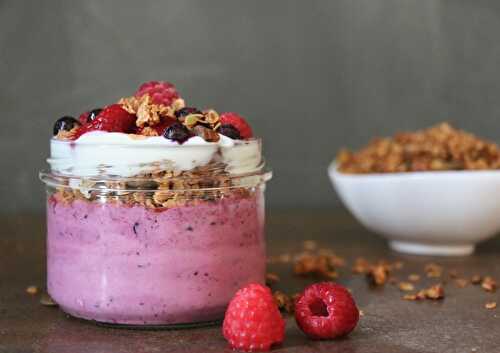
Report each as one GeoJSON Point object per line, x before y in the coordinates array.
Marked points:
{"type": "Point", "coordinates": [253, 321]}
{"type": "Point", "coordinates": [161, 92]}
{"type": "Point", "coordinates": [325, 311]}
{"type": "Point", "coordinates": [237, 122]}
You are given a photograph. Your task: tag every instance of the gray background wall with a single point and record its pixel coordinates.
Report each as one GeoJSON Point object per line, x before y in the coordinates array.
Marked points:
{"type": "Point", "coordinates": [311, 76]}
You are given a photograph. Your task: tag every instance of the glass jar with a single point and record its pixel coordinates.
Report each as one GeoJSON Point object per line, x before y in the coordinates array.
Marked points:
{"type": "Point", "coordinates": [163, 247]}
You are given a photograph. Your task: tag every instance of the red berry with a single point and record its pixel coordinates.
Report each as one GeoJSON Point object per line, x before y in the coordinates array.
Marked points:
{"type": "Point", "coordinates": [161, 92]}
{"type": "Point", "coordinates": [89, 116]}
{"type": "Point", "coordinates": [113, 118]}
{"type": "Point", "coordinates": [326, 310]}
{"type": "Point", "coordinates": [238, 122]}
{"type": "Point", "coordinates": [83, 117]}
{"type": "Point", "coordinates": [253, 321]}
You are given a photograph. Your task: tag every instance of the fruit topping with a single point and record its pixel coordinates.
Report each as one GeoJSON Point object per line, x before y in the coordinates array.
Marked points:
{"type": "Point", "coordinates": [205, 133]}
{"type": "Point", "coordinates": [156, 110]}
{"type": "Point", "coordinates": [66, 123]}
{"type": "Point", "coordinates": [161, 92]}
{"type": "Point", "coordinates": [229, 131]}
{"type": "Point", "coordinates": [177, 132]}
{"type": "Point", "coordinates": [186, 111]}
{"type": "Point", "coordinates": [326, 310]}
{"type": "Point", "coordinates": [158, 129]}
{"type": "Point", "coordinates": [253, 321]}
{"type": "Point", "coordinates": [93, 114]}
{"type": "Point", "coordinates": [238, 122]}
{"type": "Point", "coordinates": [113, 118]}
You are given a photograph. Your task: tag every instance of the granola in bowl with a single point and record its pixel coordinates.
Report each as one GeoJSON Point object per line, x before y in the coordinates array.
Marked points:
{"type": "Point", "coordinates": [441, 147]}
{"type": "Point", "coordinates": [430, 192]}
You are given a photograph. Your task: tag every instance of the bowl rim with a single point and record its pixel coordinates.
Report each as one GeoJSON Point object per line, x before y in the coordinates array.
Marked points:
{"type": "Point", "coordinates": [335, 173]}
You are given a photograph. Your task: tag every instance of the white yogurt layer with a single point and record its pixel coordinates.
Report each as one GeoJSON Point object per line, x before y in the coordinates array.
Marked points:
{"type": "Point", "coordinates": [114, 153]}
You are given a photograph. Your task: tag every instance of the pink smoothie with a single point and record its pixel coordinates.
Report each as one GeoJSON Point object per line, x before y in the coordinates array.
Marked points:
{"type": "Point", "coordinates": [132, 265]}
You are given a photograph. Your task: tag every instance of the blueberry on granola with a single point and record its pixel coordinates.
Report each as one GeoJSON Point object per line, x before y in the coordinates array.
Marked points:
{"type": "Point", "coordinates": [93, 114]}
{"type": "Point", "coordinates": [229, 131]}
{"type": "Point", "coordinates": [186, 111]}
{"type": "Point", "coordinates": [177, 132]}
{"type": "Point", "coordinates": [65, 123]}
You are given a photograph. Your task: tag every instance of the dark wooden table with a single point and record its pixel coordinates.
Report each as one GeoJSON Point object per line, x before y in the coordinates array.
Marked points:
{"type": "Point", "coordinates": [459, 323]}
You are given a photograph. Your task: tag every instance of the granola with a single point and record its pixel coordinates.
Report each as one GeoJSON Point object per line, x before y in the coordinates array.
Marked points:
{"type": "Point", "coordinates": [435, 292]}
{"type": "Point", "coordinates": [32, 290]}
{"type": "Point", "coordinates": [490, 305]}
{"type": "Point", "coordinates": [489, 284]}
{"type": "Point", "coordinates": [440, 147]}
{"type": "Point", "coordinates": [284, 301]}
{"type": "Point", "coordinates": [406, 286]}
{"type": "Point", "coordinates": [160, 189]}
{"type": "Point", "coordinates": [433, 270]}
{"type": "Point", "coordinates": [316, 265]}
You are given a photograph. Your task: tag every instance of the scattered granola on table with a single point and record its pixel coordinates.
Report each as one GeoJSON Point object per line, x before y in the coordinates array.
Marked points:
{"type": "Point", "coordinates": [461, 282]}
{"type": "Point", "coordinates": [272, 278]}
{"type": "Point", "coordinates": [435, 292]}
{"type": "Point", "coordinates": [32, 290]}
{"type": "Point", "coordinates": [476, 279]}
{"type": "Point", "coordinates": [440, 147]}
{"type": "Point", "coordinates": [413, 277]}
{"type": "Point", "coordinates": [284, 301]}
{"type": "Point", "coordinates": [490, 305]}
{"type": "Point", "coordinates": [317, 265]}
{"type": "Point", "coordinates": [378, 275]}
{"type": "Point", "coordinates": [489, 284]}
{"type": "Point", "coordinates": [433, 270]}
{"type": "Point", "coordinates": [406, 286]}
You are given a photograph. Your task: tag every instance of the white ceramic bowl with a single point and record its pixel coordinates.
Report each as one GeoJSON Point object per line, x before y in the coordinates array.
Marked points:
{"type": "Point", "coordinates": [431, 213]}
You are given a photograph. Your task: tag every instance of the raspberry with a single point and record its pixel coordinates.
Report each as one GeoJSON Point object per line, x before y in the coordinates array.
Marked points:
{"type": "Point", "coordinates": [87, 117]}
{"type": "Point", "coordinates": [161, 92]}
{"type": "Point", "coordinates": [238, 122]}
{"type": "Point", "coordinates": [113, 118]}
{"type": "Point", "coordinates": [253, 321]}
{"type": "Point", "coordinates": [326, 310]}
{"type": "Point", "coordinates": [83, 118]}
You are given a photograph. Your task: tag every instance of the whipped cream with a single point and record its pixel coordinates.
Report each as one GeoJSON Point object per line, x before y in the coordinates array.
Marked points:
{"type": "Point", "coordinates": [101, 153]}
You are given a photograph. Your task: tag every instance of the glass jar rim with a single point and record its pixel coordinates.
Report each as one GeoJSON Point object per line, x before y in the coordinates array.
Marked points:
{"type": "Point", "coordinates": [144, 184]}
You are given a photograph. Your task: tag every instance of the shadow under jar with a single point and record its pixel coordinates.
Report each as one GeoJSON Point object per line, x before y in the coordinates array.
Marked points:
{"type": "Point", "coordinates": [162, 248]}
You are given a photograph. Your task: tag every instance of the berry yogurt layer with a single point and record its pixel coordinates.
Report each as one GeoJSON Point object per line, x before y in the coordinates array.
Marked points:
{"type": "Point", "coordinates": [155, 210]}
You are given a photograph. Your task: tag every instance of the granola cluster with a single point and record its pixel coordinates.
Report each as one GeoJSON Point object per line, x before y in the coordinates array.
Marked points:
{"type": "Point", "coordinates": [440, 147]}
{"type": "Point", "coordinates": [147, 112]}
{"type": "Point", "coordinates": [162, 189]}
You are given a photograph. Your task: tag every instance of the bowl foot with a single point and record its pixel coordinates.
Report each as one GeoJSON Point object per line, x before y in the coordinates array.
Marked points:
{"type": "Point", "coordinates": [431, 249]}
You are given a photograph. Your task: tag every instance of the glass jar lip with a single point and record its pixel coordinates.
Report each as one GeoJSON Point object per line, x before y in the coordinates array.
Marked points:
{"type": "Point", "coordinates": [143, 184]}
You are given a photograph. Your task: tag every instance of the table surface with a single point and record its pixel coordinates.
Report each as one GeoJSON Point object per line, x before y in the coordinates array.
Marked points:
{"type": "Point", "coordinates": [459, 323]}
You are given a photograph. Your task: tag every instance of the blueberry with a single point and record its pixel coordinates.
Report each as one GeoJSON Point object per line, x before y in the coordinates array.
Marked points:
{"type": "Point", "coordinates": [177, 132]}
{"type": "Point", "coordinates": [229, 131]}
{"type": "Point", "coordinates": [66, 123]}
{"type": "Point", "coordinates": [186, 111]}
{"type": "Point", "coordinates": [93, 114]}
